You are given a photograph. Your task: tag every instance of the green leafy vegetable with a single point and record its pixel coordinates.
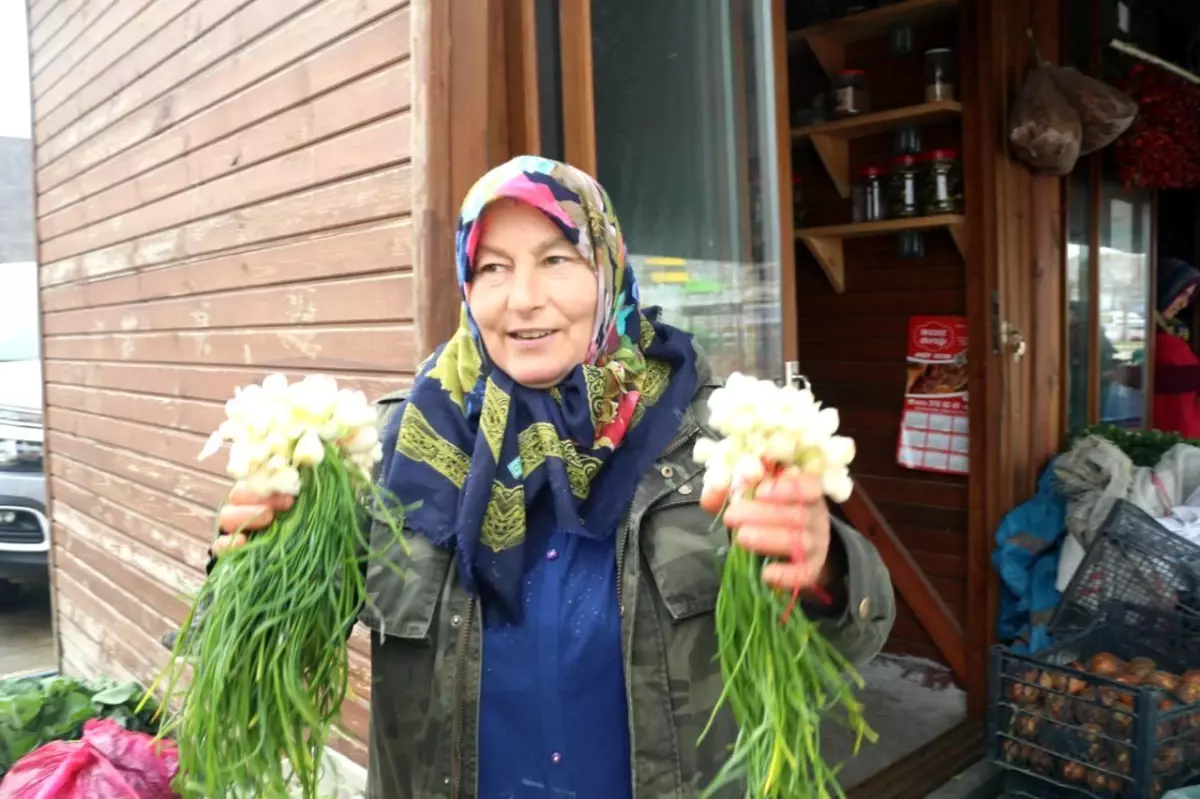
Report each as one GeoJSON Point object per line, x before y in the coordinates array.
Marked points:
{"type": "Point", "coordinates": [1144, 447]}
{"type": "Point", "coordinates": [36, 711]}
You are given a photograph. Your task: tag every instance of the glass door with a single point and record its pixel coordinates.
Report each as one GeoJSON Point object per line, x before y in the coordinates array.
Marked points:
{"type": "Point", "coordinates": [679, 120]}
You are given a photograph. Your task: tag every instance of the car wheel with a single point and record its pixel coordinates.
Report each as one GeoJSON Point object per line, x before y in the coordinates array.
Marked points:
{"type": "Point", "coordinates": [8, 593]}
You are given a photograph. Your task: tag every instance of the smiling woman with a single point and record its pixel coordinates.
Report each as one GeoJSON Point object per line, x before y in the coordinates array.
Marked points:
{"type": "Point", "coordinates": [562, 565]}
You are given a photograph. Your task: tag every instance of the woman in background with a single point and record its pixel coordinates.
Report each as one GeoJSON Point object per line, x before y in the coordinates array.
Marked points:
{"type": "Point", "coordinates": [1176, 367]}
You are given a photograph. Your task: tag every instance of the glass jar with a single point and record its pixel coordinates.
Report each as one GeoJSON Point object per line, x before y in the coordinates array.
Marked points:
{"type": "Point", "coordinates": [798, 208]}
{"type": "Point", "coordinates": [904, 194]}
{"type": "Point", "coordinates": [939, 75]}
{"type": "Point", "coordinates": [849, 96]}
{"type": "Point", "coordinates": [870, 196]}
{"type": "Point", "coordinates": [941, 190]}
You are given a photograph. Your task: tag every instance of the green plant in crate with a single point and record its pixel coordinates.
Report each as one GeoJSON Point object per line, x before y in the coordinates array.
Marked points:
{"type": "Point", "coordinates": [1144, 447]}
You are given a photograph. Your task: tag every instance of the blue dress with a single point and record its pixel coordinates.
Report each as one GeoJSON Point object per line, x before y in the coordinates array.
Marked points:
{"type": "Point", "coordinates": [553, 713]}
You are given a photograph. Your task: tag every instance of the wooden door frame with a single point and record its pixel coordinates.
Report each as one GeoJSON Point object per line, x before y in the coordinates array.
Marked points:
{"type": "Point", "coordinates": [1016, 254]}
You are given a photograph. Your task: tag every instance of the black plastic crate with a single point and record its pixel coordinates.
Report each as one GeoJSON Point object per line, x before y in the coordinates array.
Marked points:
{"type": "Point", "coordinates": [1020, 786]}
{"type": "Point", "coordinates": [1075, 733]}
{"type": "Point", "coordinates": [1134, 559]}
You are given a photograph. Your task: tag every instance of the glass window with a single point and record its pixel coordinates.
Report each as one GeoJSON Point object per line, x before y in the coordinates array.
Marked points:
{"type": "Point", "coordinates": [1079, 280]}
{"type": "Point", "coordinates": [549, 77]}
{"type": "Point", "coordinates": [1126, 229]}
{"type": "Point", "coordinates": [684, 97]}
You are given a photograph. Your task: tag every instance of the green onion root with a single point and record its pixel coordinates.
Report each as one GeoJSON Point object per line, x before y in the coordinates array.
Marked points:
{"type": "Point", "coordinates": [266, 644]}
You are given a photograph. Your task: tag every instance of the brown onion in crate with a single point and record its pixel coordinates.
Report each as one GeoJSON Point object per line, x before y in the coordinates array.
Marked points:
{"type": "Point", "coordinates": [1168, 760]}
{"type": "Point", "coordinates": [1163, 680]}
{"type": "Point", "coordinates": [1126, 698]}
{"type": "Point", "coordinates": [1105, 664]}
{"type": "Point", "coordinates": [1142, 667]}
{"type": "Point", "coordinates": [1074, 772]}
{"type": "Point", "coordinates": [1076, 686]}
{"type": "Point", "coordinates": [1058, 707]}
{"type": "Point", "coordinates": [1190, 677]}
{"type": "Point", "coordinates": [1189, 694]}
{"type": "Point", "coordinates": [1119, 759]}
{"type": "Point", "coordinates": [1020, 691]}
{"type": "Point", "coordinates": [1099, 781]}
{"type": "Point", "coordinates": [1093, 736]}
{"type": "Point", "coordinates": [1042, 761]}
{"type": "Point", "coordinates": [1088, 709]}
{"type": "Point", "coordinates": [1028, 724]}
{"type": "Point", "coordinates": [1123, 703]}
{"type": "Point", "coordinates": [1013, 751]}
{"type": "Point", "coordinates": [1111, 696]}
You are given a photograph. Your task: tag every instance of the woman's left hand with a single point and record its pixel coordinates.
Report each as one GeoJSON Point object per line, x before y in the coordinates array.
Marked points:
{"type": "Point", "coordinates": [787, 518]}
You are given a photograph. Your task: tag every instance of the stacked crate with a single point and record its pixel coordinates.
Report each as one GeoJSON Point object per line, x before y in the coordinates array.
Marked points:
{"type": "Point", "coordinates": [1112, 710]}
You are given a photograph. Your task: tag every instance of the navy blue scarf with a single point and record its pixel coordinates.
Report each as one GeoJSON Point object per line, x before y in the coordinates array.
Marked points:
{"type": "Point", "coordinates": [476, 450]}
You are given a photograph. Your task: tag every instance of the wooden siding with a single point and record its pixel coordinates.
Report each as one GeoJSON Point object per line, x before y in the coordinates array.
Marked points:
{"type": "Point", "coordinates": [224, 189]}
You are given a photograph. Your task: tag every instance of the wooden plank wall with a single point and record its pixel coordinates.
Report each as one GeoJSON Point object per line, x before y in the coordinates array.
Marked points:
{"type": "Point", "coordinates": [852, 345]}
{"type": "Point", "coordinates": [224, 189]}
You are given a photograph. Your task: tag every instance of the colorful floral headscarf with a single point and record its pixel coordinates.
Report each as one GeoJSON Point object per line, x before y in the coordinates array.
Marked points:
{"type": "Point", "coordinates": [485, 456]}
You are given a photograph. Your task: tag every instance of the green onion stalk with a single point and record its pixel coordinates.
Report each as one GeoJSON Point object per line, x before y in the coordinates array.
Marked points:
{"type": "Point", "coordinates": [782, 679]}
{"type": "Point", "coordinates": [266, 640]}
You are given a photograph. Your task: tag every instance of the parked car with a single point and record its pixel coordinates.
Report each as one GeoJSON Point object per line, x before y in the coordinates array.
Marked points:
{"type": "Point", "coordinates": [24, 528]}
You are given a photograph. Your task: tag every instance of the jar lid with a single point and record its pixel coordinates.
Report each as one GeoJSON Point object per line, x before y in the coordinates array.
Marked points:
{"type": "Point", "coordinates": [853, 73]}
{"type": "Point", "coordinates": [904, 160]}
{"type": "Point", "coordinates": [942, 155]}
{"type": "Point", "coordinates": [870, 171]}
{"type": "Point", "coordinates": [938, 51]}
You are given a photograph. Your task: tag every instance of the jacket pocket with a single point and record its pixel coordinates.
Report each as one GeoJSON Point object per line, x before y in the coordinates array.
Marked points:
{"type": "Point", "coordinates": [684, 550]}
{"type": "Point", "coordinates": [403, 590]}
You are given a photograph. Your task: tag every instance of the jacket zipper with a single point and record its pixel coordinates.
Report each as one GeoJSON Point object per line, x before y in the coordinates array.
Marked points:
{"type": "Point", "coordinates": [460, 689]}
{"type": "Point", "coordinates": [676, 444]}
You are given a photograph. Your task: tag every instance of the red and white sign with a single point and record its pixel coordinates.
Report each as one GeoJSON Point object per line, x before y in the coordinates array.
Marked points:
{"type": "Point", "coordinates": [933, 429]}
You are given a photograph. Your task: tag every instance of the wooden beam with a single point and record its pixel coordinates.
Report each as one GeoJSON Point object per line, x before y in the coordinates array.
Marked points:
{"type": "Point", "coordinates": [910, 581]}
{"type": "Point", "coordinates": [982, 115]}
{"type": "Point", "coordinates": [524, 109]}
{"type": "Point", "coordinates": [783, 155]}
{"type": "Point", "coordinates": [578, 89]}
{"type": "Point", "coordinates": [460, 105]}
{"type": "Point", "coordinates": [433, 208]}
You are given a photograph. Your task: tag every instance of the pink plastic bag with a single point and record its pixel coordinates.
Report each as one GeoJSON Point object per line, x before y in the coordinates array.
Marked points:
{"type": "Point", "coordinates": [109, 763]}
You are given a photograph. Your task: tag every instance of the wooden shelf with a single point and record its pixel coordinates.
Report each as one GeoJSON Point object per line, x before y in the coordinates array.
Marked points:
{"type": "Point", "coordinates": [832, 140]}
{"type": "Point", "coordinates": [828, 40]}
{"type": "Point", "coordinates": [826, 243]}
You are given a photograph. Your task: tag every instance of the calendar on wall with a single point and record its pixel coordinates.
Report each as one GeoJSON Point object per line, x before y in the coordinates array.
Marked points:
{"type": "Point", "coordinates": [933, 428]}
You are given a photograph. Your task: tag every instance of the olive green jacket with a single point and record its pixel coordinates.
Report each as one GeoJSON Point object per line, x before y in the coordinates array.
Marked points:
{"type": "Point", "coordinates": [427, 651]}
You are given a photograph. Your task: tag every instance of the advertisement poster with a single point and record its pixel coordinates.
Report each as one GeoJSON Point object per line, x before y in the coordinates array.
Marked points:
{"type": "Point", "coordinates": [933, 428]}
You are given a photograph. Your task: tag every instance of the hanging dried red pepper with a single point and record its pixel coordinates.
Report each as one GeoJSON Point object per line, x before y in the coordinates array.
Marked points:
{"type": "Point", "coordinates": [1162, 148]}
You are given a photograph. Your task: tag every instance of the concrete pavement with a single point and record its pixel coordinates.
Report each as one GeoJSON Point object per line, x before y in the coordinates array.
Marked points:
{"type": "Point", "coordinates": [27, 635]}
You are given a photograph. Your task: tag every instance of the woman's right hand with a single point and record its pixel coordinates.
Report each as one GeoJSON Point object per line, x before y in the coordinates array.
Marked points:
{"type": "Point", "coordinates": [245, 513]}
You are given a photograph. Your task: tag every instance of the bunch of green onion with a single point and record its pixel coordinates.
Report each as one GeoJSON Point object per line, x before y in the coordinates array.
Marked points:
{"type": "Point", "coordinates": [266, 640]}
{"type": "Point", "coordinates": [782, 679]}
